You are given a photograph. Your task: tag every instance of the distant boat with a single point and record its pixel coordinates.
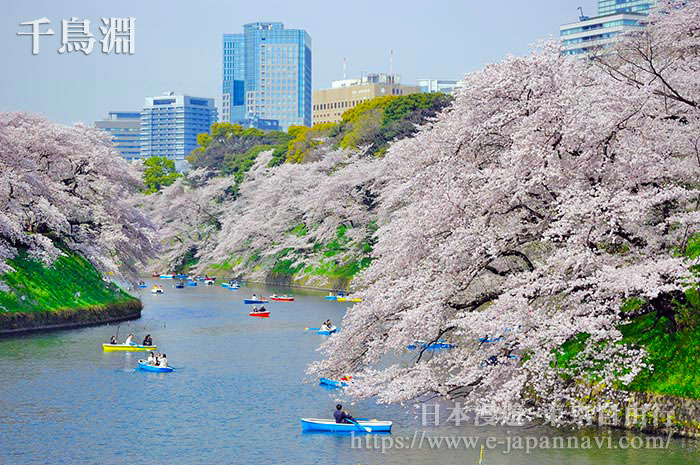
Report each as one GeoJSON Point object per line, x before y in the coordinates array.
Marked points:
{"type": "Point", "coordinates": [327, 332]}
{"type": "Point", "coordinates": [146, 367]}
{"type": "Point", "coordinates": [127, 347]}
{"type": "Point", "coordinates": [441, 344]}
{"type": "Point", "coordinates": [254, 301]}
{"type": "Point", "coordinates": [282, 298]}
{"type": "Point", "coordinates": [332, 382]}
{"type": "Point", "coordinates": [265, 314]}
{"type": "Point", "coordinates": [180, 285]}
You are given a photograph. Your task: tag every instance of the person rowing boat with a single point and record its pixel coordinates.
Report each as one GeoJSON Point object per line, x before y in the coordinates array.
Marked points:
{"type": "Point", "coordinates": [341, 416]}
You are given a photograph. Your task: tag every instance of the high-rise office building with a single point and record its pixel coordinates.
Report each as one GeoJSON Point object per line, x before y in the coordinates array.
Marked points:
{"type": "Point", "coordinates": [267, 75]}
{"type": "Point", "coordinates": [330, 104]}
{"type": "Point", "coordinates": [610, 7]}
{"type": "Point", "coordinates": [595, 33]}
{"type": "Point", "coordinates": [124, 128]}
{"type": "Point", "coordinates": [446, 86]}
{"type": "Point", "coordinates": [170, 125]}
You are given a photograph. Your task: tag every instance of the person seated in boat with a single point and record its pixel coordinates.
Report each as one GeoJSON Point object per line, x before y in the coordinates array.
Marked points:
{"type": "Point", "coordinates": [151, 360]}
{"type": "Point", "coordinates": [262, 309]}
{"type": "Point", "coordinates": [148, 340]}
{"type": "Point", "coordinates": [341, 416]}
{"type": "Point", "coordinates": [129, 341]}
{"type": "Point", "coordinates": [163, 361]}
{"type": "Point", "coordinates": [255, 309]}
{"type": "Point", "coordinates": [254, 297]}
{"type": "Point", "coordinates": [113, 340]}
{"type": "Point", "coordinates": [327, 325]}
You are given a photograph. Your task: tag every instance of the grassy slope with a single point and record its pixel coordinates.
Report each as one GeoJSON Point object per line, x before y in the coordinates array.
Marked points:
{"type": "Point", "coordinates": [675, 358]}
{"type": "Point", "coordinates": [71, 282]}
{"type": "Point", "coordinates": [336, 262]}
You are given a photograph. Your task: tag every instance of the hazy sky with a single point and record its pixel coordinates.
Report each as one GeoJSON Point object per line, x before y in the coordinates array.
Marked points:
{"type": "Point", "coordinates": [178, 45]}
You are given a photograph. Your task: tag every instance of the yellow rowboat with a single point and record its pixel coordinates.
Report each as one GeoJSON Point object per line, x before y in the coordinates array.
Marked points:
{"type": "Point", "coordinates": [113, 347]}
{"type": "Point", "coordinates": [349, 299]}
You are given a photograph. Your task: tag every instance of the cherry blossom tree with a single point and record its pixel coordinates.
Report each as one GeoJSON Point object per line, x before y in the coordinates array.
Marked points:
{"type": "Point", "coordinates": [553, 191]}
{"type": "Point", "coordinates": [188, 215]}
{"type": "Point", "coordinates": [321, 195]}
{"type": "Point", "coordinates": [67, 185]}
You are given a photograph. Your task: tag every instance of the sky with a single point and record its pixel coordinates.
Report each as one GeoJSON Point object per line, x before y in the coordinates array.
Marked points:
{"type": "Point", "coordinates": [178, 45]}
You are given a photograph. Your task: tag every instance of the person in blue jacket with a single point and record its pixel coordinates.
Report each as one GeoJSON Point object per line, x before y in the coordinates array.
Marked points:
{"type": "Point", "coordinates": [341, 416]}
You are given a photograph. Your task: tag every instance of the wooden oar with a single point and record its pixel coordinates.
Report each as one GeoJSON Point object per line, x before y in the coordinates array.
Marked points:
{"type": "Point", "coordinates": [367, 430]}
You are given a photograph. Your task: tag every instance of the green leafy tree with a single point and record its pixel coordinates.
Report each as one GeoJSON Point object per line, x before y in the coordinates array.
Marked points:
{"type": "Point", "coordinates": [159, 172]}
{"type": "Point", "coordinates": [305, 140]}
{"type": "Point", "coordinates": [228, 145]}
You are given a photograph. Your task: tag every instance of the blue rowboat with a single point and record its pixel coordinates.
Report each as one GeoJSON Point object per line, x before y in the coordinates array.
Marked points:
{"type": "Point", "coordinates": [319, 424]}
{"type": "Point", "coordinates": [251, 301]}
{"type": "Point", "coordinates": [332, 382]}
{"type": "Point", "coordinates": [146, 367]}
{"type": "Point", "coordinates": [441, 344]}
{"type": "Point", "coordinates": [327, 332]}
{"type": "Point", "coordinates": [142, 286]}
{"type": "Point", "coordinates": [166, 276]}
{"type": "Point", "coordinates": [331, 297]}
{"type": "Point", "coordinates": [181, 276]}
{"type": "Point", "coordinates": [192, 283]}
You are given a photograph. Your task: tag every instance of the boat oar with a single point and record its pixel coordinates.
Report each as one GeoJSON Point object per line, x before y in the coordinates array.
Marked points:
{"type": "Point", "coordinates": [312, 329]}
{"type": "Point", "coordinates": [367, 430]}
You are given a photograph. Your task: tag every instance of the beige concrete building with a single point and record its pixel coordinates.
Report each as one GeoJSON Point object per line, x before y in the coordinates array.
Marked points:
{"type": "Point", "coordinates": [328, 105]}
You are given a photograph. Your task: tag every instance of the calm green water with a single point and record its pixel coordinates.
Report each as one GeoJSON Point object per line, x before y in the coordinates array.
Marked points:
{"type": "Point", "coordinates": [235, 398]}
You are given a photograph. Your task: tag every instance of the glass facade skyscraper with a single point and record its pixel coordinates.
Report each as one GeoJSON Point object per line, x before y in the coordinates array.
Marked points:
{"type": "Point", "coordinates": [610, 7]}
{"type": "Point", "coordinates": [267, 75]}
{"type": "Point", "coordinates": [170, 125]}
{"type": "Point", "coordinates": [124, 128]}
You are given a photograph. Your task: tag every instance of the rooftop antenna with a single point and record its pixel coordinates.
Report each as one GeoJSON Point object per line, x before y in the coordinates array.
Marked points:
{"type": "Point", "coordinates": [582, 17]}
{"type": "Point", "coordinates": [343, 68]}
{"type": "Point", "coordinates": [391, 63]}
